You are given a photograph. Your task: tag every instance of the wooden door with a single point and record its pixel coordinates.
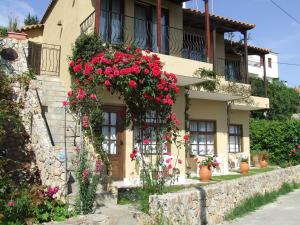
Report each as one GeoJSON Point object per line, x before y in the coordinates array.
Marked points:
{"type": "Point", "coordinates": [113, 131]}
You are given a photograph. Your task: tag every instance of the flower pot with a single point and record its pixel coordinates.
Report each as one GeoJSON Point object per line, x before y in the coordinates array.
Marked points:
{"type": "Point", "coordinates": [244, 167]}
{"type": "Point", "coordinates": [263, 164]}
{"type": "Point", "coordinates": [205, 173]}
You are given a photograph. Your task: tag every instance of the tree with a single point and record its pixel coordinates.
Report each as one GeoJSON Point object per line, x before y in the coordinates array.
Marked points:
{"type": "Point", "coordinates": [284, 102]}
{"type": "Point", "coordinates": [30, 20]}
{"type": "Point", "coordinates": [12, 24]}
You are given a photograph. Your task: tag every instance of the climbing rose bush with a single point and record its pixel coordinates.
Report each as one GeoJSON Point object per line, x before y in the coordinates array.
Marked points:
{"type": "Point", "coordinates": [294, 155]}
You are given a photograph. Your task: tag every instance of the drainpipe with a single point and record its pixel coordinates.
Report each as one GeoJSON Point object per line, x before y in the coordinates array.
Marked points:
{"type": "Point", "coordinates": [207, 32]}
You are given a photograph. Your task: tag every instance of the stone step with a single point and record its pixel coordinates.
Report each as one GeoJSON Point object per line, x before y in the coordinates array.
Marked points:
{"type": "Point", "coordinates": [55, 104]}
{"type": "Point", "coordinates": [62, 93]}
{"type": "Point", "coordinates": [48, 78]}
{"type": "Point", "coordinates": [57, 98]}
{"type": "Point", "coordinates": [60, 123]}
{"type": "Point", "coordinates": [53, 88]}
{"type": "Point", "coordinates": [59, 116]}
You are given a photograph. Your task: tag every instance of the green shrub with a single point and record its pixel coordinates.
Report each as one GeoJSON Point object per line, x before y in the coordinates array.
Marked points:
{"type": "Point", "coordinates": [278, 138]}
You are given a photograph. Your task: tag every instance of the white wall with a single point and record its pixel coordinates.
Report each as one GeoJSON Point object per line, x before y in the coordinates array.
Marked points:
{"type": "Point", "coordinates": [255, 70]}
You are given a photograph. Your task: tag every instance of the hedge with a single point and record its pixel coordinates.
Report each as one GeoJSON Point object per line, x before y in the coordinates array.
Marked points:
{"type": "Point", "coordinates": [278, 138]}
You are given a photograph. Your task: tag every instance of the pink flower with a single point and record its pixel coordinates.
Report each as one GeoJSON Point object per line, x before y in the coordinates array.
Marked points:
{"type": "Point", "coordinates": [147, 51]}
{"type": "Point", "coordinates": [107, 83]}
{"type": "Point", "coordinates": [65, 103]}
{"type": "Point", "coordinates": [51, 191]}
{"type": "Point", "coordinates": [93, 96]}
{"type": "Point", "coordinates": [85, 173]}
{"type": "Point", "coordinates": [170, 166]}
{"type": "Point", "coordinates": [179, 161]}
{"type": "Point", "coordinates": [85, 122]}
{"type": "Point", "coordinates": [146, 71]}
{"type": "Point", "coordinates": [168, 160]}
{"type": "Point", "coordinates": [11, 203]}
{"type": "Point", "coordinates": [97, 166]}
{"type": "Point", "coordinates": [146, 141]}
{"type": "Point", "coordinates": [298, 146]}
{"type": "Point", "coordinates": [132, 84]}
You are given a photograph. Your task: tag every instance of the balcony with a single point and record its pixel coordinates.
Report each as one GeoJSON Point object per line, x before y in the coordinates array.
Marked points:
{"type": "Point", "coordinates": [117, 28]}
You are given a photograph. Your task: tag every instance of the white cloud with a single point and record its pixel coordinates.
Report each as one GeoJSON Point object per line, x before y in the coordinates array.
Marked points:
{"type": "Point", "coordinates": [16, 8]}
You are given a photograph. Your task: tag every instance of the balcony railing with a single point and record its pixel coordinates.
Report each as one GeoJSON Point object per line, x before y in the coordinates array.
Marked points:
{"type": "Point", "coordinates": [117, 28]}
{"type": "Point", "coordinates": [232, 69]}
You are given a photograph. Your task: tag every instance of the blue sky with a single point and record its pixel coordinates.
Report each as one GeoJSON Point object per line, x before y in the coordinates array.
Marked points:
{"type": "Point", "coordinates": [273, 29]}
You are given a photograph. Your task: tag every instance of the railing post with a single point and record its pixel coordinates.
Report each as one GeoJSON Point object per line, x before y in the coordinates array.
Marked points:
{"type": "Point", "coordinates": [207, 32]}
{"type": "Point", "coordinates": [158, 25]}
{"type": "Point", "coordinates": [246, 56]}
{"type": "Point", "coordinates": [97, 16]}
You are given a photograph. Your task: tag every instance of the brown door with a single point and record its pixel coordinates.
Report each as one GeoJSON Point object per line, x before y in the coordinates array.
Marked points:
{"type": "Point", "coordinates": [113, 131]}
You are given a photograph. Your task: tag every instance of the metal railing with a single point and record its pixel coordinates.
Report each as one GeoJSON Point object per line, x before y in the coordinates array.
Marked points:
{"type": "Point", "coordinates": [117, 28]}
{"type": "Point", "coordinates": [44, 58]}
{"type": "Point", "coordinates": [232, 69]}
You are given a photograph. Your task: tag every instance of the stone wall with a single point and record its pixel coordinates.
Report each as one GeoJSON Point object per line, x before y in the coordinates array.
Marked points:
{"type": "Point", "coordinates": [19, 65]}
{"type": "Point", "coordinates": [51, 168]}
{"type": "Point", "coordinates": [209, 204]}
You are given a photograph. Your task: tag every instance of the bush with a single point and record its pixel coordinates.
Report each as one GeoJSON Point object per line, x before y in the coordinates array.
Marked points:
{"type": "Point", "coordinates": [278, 138]}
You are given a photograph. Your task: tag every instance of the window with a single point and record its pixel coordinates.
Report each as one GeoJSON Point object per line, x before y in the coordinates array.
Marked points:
{"type": "Point", "coordinates": [235, 135]}
{"type": "Point", "coordinates": [111, 20]}
{"type": "Point", "coordinates": [148, 131]}
{"type": "Point", "coordinates": [261, 63]}
{"type": "Point", "coordinates": [145, 27]}
{"type": "Point", "coordinates": [270, 62]}
{"type": "Point", "coordinates": [109, 133]}
{"type": "Point", "coordinates": [202, 139]}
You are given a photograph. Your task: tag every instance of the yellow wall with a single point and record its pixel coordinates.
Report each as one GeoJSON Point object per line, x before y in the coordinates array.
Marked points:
{"type": "Point", "coordinates": [70, 14]}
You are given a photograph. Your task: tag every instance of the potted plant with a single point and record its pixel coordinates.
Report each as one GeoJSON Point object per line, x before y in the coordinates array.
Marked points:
{"type": "Point", "coordinates": [244, 164]}
{"type": "Point", "coordinates": [263, 162]}
{"type": "Point", "coordinates": [205, 168]}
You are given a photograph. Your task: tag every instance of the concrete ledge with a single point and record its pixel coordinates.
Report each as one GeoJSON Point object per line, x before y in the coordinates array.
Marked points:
{"type": "Point", "coordinates": [210, 204]}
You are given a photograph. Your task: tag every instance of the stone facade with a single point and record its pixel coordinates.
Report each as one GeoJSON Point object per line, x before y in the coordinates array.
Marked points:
{"type": "Point", "coordinates": [209, 204]}
{"type": "Point", "coordinates": [19, 65]}
{"type": "Point", "coordinates": [51, 167]}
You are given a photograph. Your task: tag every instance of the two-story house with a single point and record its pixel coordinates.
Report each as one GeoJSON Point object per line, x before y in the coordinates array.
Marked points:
{"type": "Point", "coordinates": [185, 40]}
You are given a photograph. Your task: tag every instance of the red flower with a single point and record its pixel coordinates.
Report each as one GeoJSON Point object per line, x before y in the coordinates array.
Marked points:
{"type": "Point", "coordinates": [186, 137]}
{"type": "Point", "coordinates": [77, 68]}
{"type": "Point", "coordinates": [132, 84]}
{"type": "Point", "coordinates": [93, 96]}
{"type": "Point", "coordinates": [147, 51]}
{"type": "Point", "coordinates": [99, 71]}
{"type": "Point", "coordinates": [107, 83]}
{"type": "Point", "coordinates": [65, 103]}
{"type": "Point", "coordinates": [11, 203]}
{"type": "Point", "coordinates": [146, 71]}
{"type": "Point", "coordinates": [87, 69]}
{"type": "Point", "coordinates": [298, 146]}
{"type": "Point", "coordinates": [170, 166]}
{"type": "Point", "coordinates": [138, 51]}
{"type": "Point", "coordinates": [72, 63]}
{"type": "Point", "coordinates": [179, 161]}
{"type": "Point", "coordinates": [85, 122]}
{"type": "Point", "coordinates": [146, 141]}
{"type": "Point", "coordinates": [70, 93]}
{"type": "Point", "coordinates": [160, 87]}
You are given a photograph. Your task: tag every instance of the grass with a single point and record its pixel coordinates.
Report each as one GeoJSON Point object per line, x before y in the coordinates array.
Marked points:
{"type": "Point", "coordinates": [255, 202]}
{"type": "Point", "coordinates": [239, 175]}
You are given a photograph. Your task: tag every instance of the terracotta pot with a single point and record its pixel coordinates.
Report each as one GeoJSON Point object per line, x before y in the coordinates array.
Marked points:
{"type": "Point", "coordinates": [244, 167]}
{"type": "Point", "coordinates": [205, 173]}
{"type": "Point", "coordinates": [263, 164]}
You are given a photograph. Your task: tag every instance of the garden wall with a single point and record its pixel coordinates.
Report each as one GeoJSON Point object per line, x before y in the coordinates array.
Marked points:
{"type": "Point", "coordinates": [209, 205]}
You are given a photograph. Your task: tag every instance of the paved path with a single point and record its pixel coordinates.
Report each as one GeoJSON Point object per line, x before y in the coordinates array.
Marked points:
{"type": "Point", "coordinates": [285, 211]}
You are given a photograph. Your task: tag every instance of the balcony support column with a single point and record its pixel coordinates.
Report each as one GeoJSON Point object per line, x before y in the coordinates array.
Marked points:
{"type": "Point", "coordinates": [246, 56]}
{"type": "Point", "coordinates": [97, 16]}
{"type": "Point", "coordinates": [158, 25]}
{"type": "Point", "coordinates": [265, 75]}
{"type": "Point", "coordinates": [215, 47]}
{"type": "Point", "coordinates": [207, 32]}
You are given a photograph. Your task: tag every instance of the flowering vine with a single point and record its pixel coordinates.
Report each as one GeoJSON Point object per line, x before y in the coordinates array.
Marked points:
{"type": "Point", "coordinates": [138, 78]}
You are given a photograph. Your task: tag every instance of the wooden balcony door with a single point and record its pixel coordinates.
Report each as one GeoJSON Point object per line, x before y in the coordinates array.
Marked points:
{"type": "Point", "coordinates": [113, 131]}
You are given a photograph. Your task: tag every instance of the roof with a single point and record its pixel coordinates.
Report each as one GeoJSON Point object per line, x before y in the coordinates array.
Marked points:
{"type": "Point", "coordinates": [223, 24]}
{"type": "Point", "coordinates": [30, 27]}
{"type": "Point", "coordinates": [48, 10]}
{"type": "Point", "coordinates": [252, 50]}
